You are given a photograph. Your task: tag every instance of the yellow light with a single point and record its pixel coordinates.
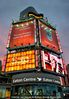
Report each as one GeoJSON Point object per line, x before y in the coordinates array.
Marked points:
{"type": "Point", "coordinates": [13, 55]}
{"type": "Point", "coordinates": [17, 68]}
{"type": "Point", "coordinates": [9, 56]}
{"type": "Point", "coordinates": [16, 54]}
{"type": "Point", "coordinates": [7, 65]}
{"type": "Point", "coordinates": [29, 66]}
{"type": "Point", "coordinates": [9, 68]}
{"type": "Point", "coordinates": [20, 67]}
{"type": "Point", "coordinates": [13, 69]}
{"type": "Point", "coordinates": [32, 56]}
{"type": "Point", "coordinates": [22, 53]}
{"type": "Point", "coordinates": [8, 60]}
{"type": "Point", "coordinates": [33, 65]}
{"type": "Point", "coordinates": [33, 61]}
{"type": "Point", "coordinates": [20, 61]}
{"type": "Point", "coordinates": [6, 69]}
{"type": "Point", "coordinates": [12, 64]}
{"type": "Point", "coordinates": [23, 67]}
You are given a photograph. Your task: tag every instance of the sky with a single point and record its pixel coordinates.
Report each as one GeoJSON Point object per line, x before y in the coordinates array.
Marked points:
{"type": "Point", "coordinates": [57, 12]}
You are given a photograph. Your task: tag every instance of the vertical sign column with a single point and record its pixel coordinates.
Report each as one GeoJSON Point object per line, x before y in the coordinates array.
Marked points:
{"type": "Point", "coordinates": [38, 45]}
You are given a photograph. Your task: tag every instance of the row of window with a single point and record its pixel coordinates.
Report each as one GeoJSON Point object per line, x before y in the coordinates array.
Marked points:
{"type": "Point", "coordinates": [37, 90]}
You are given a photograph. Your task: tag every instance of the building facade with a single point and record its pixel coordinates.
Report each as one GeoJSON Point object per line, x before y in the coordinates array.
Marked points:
{"type": "Point", "coordinates": [34, 58]}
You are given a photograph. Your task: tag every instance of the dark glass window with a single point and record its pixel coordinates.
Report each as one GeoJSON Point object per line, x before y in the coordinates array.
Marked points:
{"type": "Point", "coordinates": [39, 91]}
{"type": "Point", "coordinates": [2, 92]}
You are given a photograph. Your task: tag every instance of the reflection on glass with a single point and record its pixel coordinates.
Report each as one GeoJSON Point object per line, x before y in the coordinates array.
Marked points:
{"type": "Point", "coordinates": [46, 91]}
{"type": "Point", "coordinates": [4, 92]}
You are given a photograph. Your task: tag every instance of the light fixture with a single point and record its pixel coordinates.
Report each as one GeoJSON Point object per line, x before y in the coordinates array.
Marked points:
{"type": "Point", "coordinates": [17, 25]}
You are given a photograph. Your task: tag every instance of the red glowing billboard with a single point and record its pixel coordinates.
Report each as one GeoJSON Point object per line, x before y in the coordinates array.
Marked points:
{"type": "Point", "coordinates": [52, 62]}
{"type": "Point", "coordinates": [48, 37]}
{"type": "Point", "coordinates": [20, 61]}
{"type": "Point", "coordinates": [22, 34]}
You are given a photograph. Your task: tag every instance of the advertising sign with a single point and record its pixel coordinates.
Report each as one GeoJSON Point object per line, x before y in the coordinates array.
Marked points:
{"type": "Point", "coordinates": [22, 34]}
{"type": "Point", "coordinates": [35, 77]}
{"type": "Point", "coordinates": [52, 63]}
{"type": "Point", "coordinates": [48, 37]}
{"type": "Point", "coordinates": [20, 61]}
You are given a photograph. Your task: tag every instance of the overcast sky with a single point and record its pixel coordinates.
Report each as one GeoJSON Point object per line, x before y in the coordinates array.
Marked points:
{"type": "Point", "coordinates": [57, 12]}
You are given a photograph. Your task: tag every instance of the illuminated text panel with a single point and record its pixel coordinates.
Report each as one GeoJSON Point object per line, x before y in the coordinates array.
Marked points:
{"type": "Point", "coordinates": [20, 61]}
{"type": "Point", "coordinates": [22, 34]}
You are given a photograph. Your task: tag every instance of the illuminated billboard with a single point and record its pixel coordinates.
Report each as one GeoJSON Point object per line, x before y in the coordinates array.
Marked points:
{"type": "Point", "coordinates": [52, 62]}
{"type": "Point", "coordinates": [48, 37]}
{"type": "Point", "coordinates": [20, 61]}
{"type": "Point", "coordinates": [22, 34]}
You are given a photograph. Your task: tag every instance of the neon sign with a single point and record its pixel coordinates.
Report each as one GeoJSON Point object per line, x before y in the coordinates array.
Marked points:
{"type": "Point", "coordinates": [52, 63]}
{"type": "Point", "coordinates": [20, 61]}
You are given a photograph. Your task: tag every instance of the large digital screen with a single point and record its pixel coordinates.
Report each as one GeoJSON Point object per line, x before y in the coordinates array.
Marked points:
{"type": "Point", "coordinates": [22, 34]}
{"type": "Point", "coordinates": [52, 62]}
{"type": "Point", "coordinates": [20, 61]}
{"type": "Point", "coordinates": [48, 37]}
